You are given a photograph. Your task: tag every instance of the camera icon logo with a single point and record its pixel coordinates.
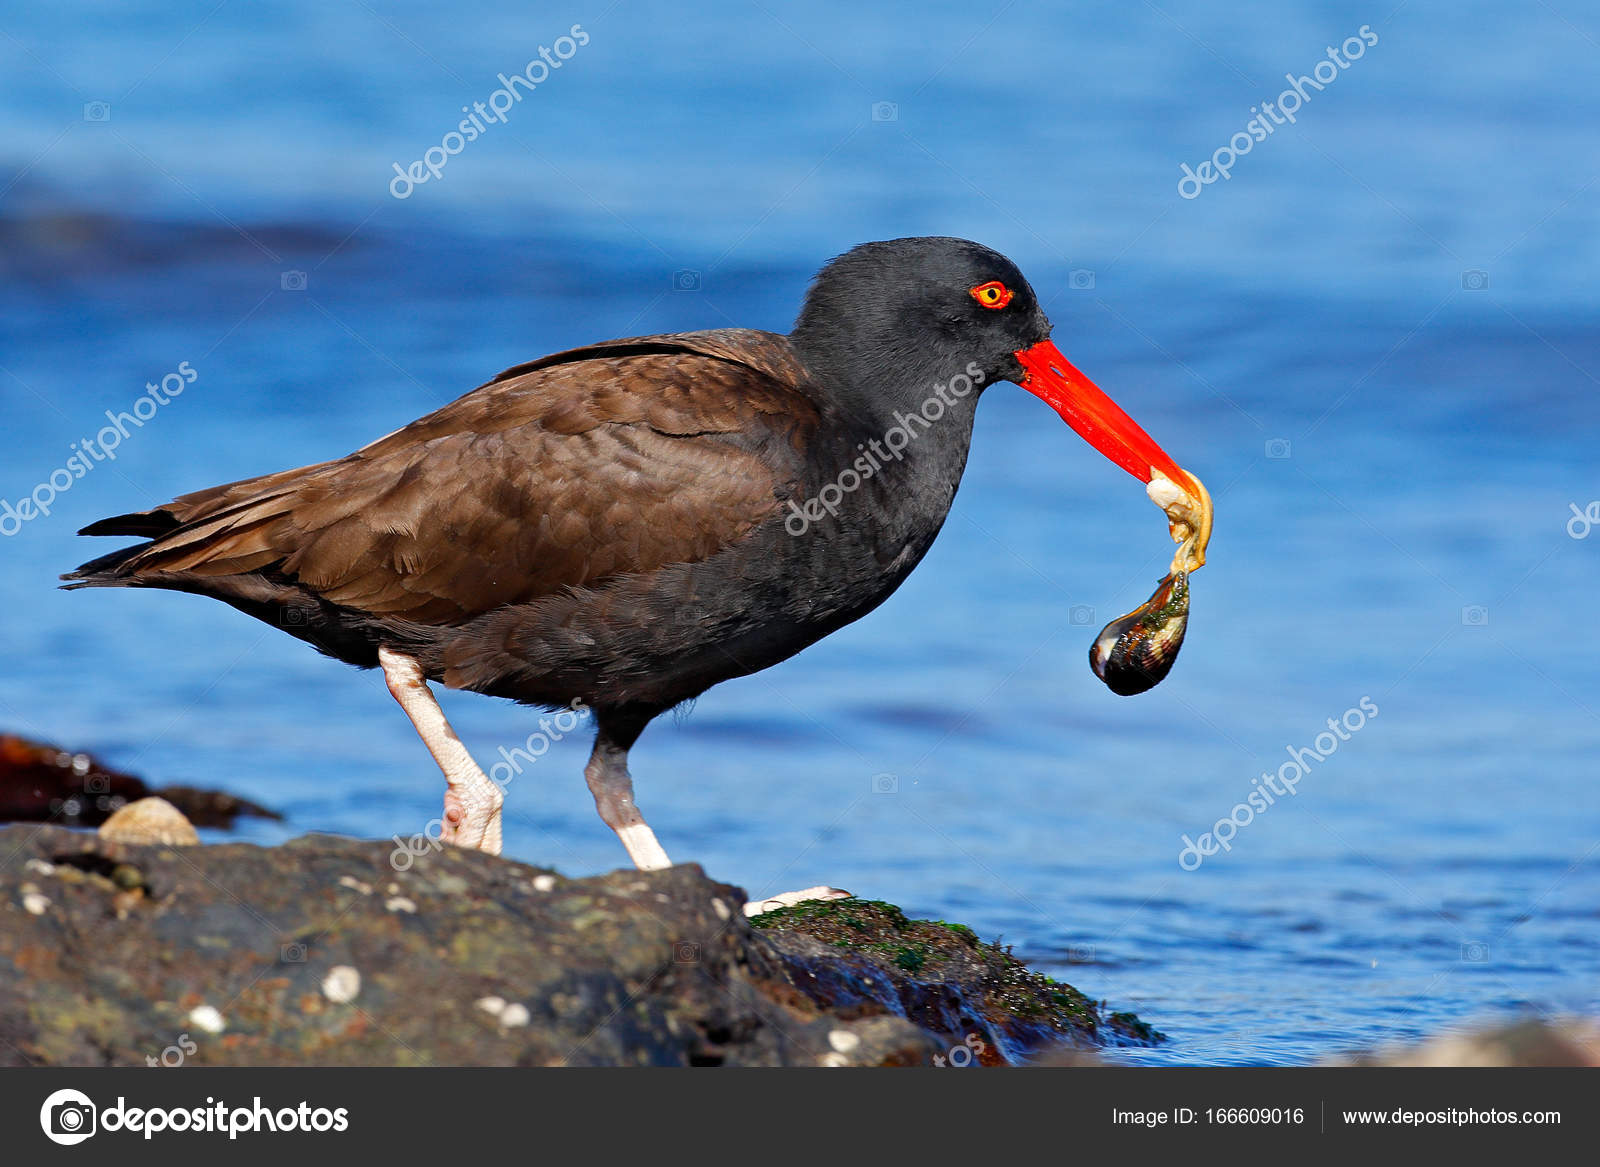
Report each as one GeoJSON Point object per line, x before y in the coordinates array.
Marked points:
{"type": "Point", "coordinates": [1474, 280]}
{"type": "Point", "coordinates": [1475, 616]}
{"type": "Point", "coordinates": [1080, 279]}
{"type": "Point", "coordinates": [685, 280]}
{"type": "Point", "coordinates": [97, 111]}
{"type": "Point", "coordinates": [885, 784]}
{"type": "Point", "coordinates": [97, 784]}
{"type": "Point", "coordinates": [292, 616]}
{"type": "Point", "coordinates": [1278, 448]}
{"type": "Point", "coordinates": [1080, 954]}
{"type": "Point", "coordinates": [68, 1117]}
{"type": "Point", "coordinates": [292, 281]}
{"type": "Point", "coordinates": [1475, 953]}
{"type": "Point", "coordinates": [885, 111]}
{"type": "Point", "coordinates": [1080, 614]}
{"type": "Point", "coordinates": [685, 952]}
{"type": "Point", "coordinates": [292, 954]}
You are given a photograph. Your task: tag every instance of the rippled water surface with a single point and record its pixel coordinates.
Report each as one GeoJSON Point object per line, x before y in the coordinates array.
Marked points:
{"type": "Point", "coordinates": [1395, 449]}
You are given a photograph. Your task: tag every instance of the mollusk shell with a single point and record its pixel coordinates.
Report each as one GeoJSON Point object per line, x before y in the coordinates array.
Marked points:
{"type": "Point", "coordinates": [1135, 652]}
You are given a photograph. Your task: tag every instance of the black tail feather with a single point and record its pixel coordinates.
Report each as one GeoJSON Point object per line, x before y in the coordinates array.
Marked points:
{"type": "Point", "coordinates": [103, 572]}
{"type": "Point", "coordinates": [145, 524]}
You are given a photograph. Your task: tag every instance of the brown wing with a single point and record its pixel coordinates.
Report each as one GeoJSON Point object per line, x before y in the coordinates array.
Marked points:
{"type": "Point", "coordinates": [593, 463]}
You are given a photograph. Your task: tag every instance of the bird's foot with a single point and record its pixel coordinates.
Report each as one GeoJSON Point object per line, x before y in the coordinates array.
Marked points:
{"type": "Point", "coordinates": [788, 899]}
{"type": "Point", "coordinates": [473, 824]}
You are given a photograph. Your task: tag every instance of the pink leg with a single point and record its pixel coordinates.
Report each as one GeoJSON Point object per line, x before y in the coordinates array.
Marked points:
{"type": "Point", "coordinates": [472, 802]}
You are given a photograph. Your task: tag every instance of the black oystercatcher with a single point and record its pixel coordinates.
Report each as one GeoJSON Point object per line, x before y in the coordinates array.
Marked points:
{"type": "Point", "coordinates": [627, 524]}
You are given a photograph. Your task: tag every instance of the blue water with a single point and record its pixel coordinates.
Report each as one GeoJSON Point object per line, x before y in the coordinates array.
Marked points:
{"type": "Point", "coordinates": [1437, 869]}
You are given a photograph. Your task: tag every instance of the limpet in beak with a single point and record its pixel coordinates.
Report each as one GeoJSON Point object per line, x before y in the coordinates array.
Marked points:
{"type": "Point", "coordinates": [1135, 652]}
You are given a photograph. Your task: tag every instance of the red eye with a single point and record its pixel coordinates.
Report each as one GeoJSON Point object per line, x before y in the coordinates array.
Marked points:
{"type": "Point", "coordinates": [993, 294]}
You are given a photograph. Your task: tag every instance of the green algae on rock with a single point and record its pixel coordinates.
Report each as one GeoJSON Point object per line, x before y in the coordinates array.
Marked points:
{"type": "Point", "coordinates": [943, 978]}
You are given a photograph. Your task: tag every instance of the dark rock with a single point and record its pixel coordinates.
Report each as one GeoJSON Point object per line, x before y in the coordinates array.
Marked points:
{"type": "Point", "coordinates": [44, 783]}
{"type": "Point", "coordinates": [319, 953]}
{"type": "Point", "coordinates": [862, 953]}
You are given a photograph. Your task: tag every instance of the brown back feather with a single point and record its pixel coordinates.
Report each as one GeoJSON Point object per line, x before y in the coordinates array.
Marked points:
{"type": "Point", "coordinates": [613, 459]}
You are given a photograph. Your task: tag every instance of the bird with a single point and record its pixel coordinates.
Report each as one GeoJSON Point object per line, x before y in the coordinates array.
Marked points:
{"type": "Point", "coordinates": [619, 527]}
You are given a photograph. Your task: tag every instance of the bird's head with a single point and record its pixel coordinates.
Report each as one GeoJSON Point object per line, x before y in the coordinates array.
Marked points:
{"type": "Point", "coordinates": [888, 320]}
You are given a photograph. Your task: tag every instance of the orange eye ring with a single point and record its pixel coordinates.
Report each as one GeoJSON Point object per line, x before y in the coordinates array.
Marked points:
{"type": "Point", "coordinates": [993, 294]}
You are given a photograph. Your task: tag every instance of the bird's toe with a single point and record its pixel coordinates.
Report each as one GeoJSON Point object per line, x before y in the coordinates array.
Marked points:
{"type": "Point", "coordinates": [787, 899]}
{"type": "Point", "coordinates": [477, 828]}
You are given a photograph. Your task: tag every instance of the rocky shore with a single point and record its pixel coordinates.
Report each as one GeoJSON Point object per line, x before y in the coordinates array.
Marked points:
{"type": "Point", "coordinates": [136, 945]}
{"type": "Point", "coordinates": [318, 952]}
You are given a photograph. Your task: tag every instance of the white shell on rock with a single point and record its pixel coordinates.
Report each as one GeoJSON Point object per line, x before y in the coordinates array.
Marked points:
{"type": "Point", "coordinates": [843, 1040]}
{"type": "Point", "coordinates": [341, 984]}
{"type": "Point", "coordinates": [150, 821]}
{"type": "Point", "coordinates": [207, 1018]}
